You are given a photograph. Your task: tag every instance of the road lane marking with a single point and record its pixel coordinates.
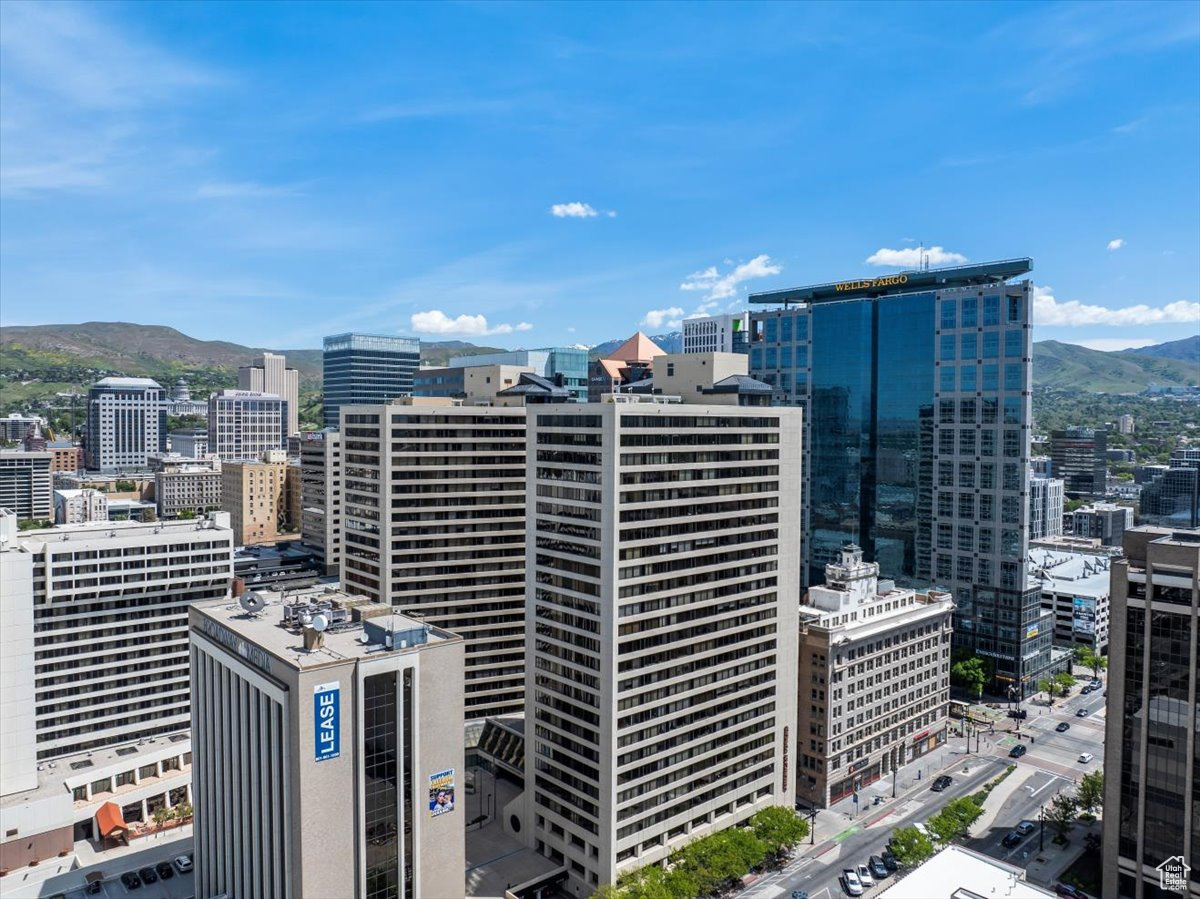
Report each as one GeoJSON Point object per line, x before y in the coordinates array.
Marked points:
{"type": "Point", "coordinates": [1043, 786]}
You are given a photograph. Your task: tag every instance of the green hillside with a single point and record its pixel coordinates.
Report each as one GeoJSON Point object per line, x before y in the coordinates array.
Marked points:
{"type": "Point", "coordinates": [1065, 366]}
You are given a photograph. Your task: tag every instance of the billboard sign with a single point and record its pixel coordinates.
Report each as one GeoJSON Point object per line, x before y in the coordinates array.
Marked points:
{"type": "Point", "coordinates": [441, 793]}
{"type": "Point", "coordinates": [327, 726]}
{"type": "Point", "coordinates": [1083, 618]}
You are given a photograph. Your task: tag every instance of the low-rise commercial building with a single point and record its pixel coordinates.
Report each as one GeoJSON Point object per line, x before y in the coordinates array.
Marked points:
{"type": "Point", "coordinates": [874, 679]}
{"type": "Point", "coordinates": [1105, 521]}
{"type": "Point", "coordinates": [189, 489]}
{"type": "Point", "coordinates": [67, 456]}
{"type": "Point", "coordinates": [79, 506]}
{"type": "Point", "coordinates": [1075, 585]}
{"type": "Point", "coordinates": [328, 751]}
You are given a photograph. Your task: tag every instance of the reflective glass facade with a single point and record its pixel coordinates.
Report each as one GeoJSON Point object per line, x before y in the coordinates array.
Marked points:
{"type": "Point", "coordinates": [917, 448]}
{"type": "Point", "coordinates": [366, 368]}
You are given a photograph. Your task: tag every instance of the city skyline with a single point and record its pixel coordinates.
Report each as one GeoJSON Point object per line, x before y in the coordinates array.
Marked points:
{"type": "Point", "coordinates": [232, 168]}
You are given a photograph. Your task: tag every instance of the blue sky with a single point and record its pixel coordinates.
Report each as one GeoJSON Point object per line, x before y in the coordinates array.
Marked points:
{"type": "Point", "coordinates": [527, 175]}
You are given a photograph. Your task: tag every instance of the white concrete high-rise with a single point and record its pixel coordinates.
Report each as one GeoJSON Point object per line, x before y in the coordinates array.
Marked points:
{"type": "Point", "coordinates": [433, 504]}
{"type": "Point", "coordinates": [26, 481]}
{"type": "Point", "coordinates": [729, 333]}
{"type": "Point", "coordinates": [244, 424]}
{"type": "Point", "coordinates": [270, 374]}
{"type": "Point", "coordinates": [663, 588]}
{"type": "Point", "coordinates": [1045, 507]}
{"type": "Point", "coordinates": [126, 422]}
{"type": "Point", "coordinates": [321, 496]}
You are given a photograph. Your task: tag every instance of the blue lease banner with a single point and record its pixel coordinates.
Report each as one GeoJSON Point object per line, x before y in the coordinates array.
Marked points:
{"type": "Point", "coordinates": [327, 727]}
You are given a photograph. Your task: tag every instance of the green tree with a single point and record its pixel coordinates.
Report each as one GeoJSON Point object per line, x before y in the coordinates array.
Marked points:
{"type": "Point", "coordinates": [955, 819]}
{"type": "Point", "coordinates": [34, 524]}
{"type": "Point", "coordinates": [970, 675]}
{"type": "Point", "coordinates": [910, 846]}
{"type": "Point", "coordinates": [187, 514]}
{"type": "Point", "coordinates": [1091, 791]}
{"type": "Point", "coordinates": [1093, 660]}
{"type": "Point", "coordinates": [1064, 681]}
{"type": "Point", "coordinates": [778, 828]}
{"type": "Point", "coordinates": [1049, 687]}
{"type": "Point", "coordinates": [1061, 815]}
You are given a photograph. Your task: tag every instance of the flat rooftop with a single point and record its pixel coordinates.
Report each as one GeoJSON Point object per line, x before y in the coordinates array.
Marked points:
{"type": "Point", "coordinates": [358, 636]}
{"type": "Point", "coordinates": [1084, 573]}
{"type": "Point", "coordinates": [959, 873]}
{"type": "Point", "coordinates": [899, 282]}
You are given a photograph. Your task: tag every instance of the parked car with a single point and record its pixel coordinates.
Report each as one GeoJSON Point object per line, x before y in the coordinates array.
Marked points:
{"type": "Point", "coordinates": [183, 864]}
{"type": "Point", "coordinates": [148, 876]}
{"type": "Point", "coordinates": [1012, 839]}
{"type": "Point", "coordinates": [130, 880]}
{"type": "Point", "coordinates": [878, 869]}
{"type": "Point", "coordinates": [889, 860]}
{"type": "Point", "coordinates": [1063, 727]}
{"type": "Point", "coordinates": [1085, 757]}
{"type": "Point", "coordinates": [864, 876]}
{"type": "Point", "coordinates": [1026, 827]}
{"type": "Point", "coordinates": [1017, 751]}
{"type": "Point", "coordinates": [850, 882]}
{"type": "Point", "coordinates": [1087, 688]}
{"type": "Point", "coordinates": [1096, 683]}
{"type": "Point", "coordinates": [1082, 713]}
{"type": "Point", "coordinates": [941, 783]}
{"type": "Point", "coordinates": [164, 870]}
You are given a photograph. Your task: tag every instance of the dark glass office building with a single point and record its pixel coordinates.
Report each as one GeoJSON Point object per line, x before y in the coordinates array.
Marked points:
{"type": "Point", "coordinates": [1152, 742]}
{"type": "Point", "coordinates": [367, 368]}
{"type": "Point", "coordinates": [1079, 457]}
{"type": "Point", "coordinates": [917, 391]}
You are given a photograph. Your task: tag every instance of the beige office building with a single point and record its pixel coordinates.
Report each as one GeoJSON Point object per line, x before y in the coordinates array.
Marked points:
{"type": "Point", "coordinates": [321, 496]}
{"type": "Point", "coordinates": [874, 684]}
{"type": "Point", "coordinates": [1152, 737]}
{"type": "Point", "coordinates": [663, 590]}
{"type": "Point", "coordinates": [326, 763]}
{"type": "Point", "coordinates": [270, 374]}
{"type": "Point", "coordinates": [79, 506]}
{"type": "Point", "coordinates": [434, 510]}
{"type": "Point", "coordinates": [253, 493]}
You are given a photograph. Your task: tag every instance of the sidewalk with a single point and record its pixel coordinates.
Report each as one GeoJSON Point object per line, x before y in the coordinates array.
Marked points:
{"type": "Point", "coordinates": [1047, 866]}
{"type": "Point", "coordinates": [996, 799]}
{"type": "Point", "coordinates": [836, 823]}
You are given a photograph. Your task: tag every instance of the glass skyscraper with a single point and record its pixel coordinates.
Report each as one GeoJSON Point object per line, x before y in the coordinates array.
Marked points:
{"type": "Point", "coordinates": [917, 391]}
{"type": "Point", "coordinates": [361, 369]}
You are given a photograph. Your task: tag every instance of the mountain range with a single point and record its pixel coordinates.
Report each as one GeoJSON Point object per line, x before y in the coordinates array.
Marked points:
{"type": "Point", "coordinates": [39, 360]}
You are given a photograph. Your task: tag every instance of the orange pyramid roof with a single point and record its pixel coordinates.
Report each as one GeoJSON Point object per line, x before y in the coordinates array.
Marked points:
{"type": "Point", "coordinates": [638, 348]}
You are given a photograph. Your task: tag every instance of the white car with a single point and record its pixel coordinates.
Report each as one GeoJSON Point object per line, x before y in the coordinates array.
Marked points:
{"type": "Point", "coordinates": [851, 883]}
{"type": "Point", "coordinates": [1085, 757]}
{"type": "Point", "coordinates": [864, 876]}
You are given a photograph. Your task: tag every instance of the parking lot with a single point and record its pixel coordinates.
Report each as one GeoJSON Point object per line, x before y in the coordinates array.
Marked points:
{"type": "Point", "coordinates": [71, 885]}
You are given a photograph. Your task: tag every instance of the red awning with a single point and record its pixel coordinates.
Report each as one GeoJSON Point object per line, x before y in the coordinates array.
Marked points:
{"type": "Point", "coordinates": [110, 821]}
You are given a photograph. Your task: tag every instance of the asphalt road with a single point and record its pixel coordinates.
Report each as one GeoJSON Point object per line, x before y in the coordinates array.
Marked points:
{"type": "Point", "coordinates": [1050, 765]}
{"type": "Point", "coordinates": [868, 835]}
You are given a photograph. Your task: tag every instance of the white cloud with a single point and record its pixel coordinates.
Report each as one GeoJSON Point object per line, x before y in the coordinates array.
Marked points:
{"type": "Point", "coordinates": [437, 322]}
{"type": "Point", "coordinates": [1116, 244]}
{"type": "Point", "coordinates": [721, 286]}
{"type": "Point", "coordinates": [1049, 311]}
{"type": "Point", "coordinates": [656, 318]}
{"type": "Point", "coordinates": [912, 257]}
{"type": "Point", "coordinates": [580, 211]}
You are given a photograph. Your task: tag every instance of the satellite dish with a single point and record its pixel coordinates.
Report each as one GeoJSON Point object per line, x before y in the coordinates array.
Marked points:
{"type": "Point", "coordinates": [319, 622]}
{"type": "Point", "coordinates": [252, 602]}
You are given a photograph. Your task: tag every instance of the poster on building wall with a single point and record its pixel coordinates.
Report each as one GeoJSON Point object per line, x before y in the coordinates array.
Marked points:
{"type": "Point", "coordinates": [326, 726]}
{"type": "Point", "coordinates": [441, 793]}
{"type": "Point", "coordinates": [1084, 616]}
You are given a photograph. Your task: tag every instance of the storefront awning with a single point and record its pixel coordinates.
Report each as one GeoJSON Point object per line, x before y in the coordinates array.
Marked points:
{"type": "Point", "coordinates": [109, 820]}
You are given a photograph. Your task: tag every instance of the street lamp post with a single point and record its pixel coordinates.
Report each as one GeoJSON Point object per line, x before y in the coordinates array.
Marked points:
{"type": "Point", "coordinates": [1042, 828]}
